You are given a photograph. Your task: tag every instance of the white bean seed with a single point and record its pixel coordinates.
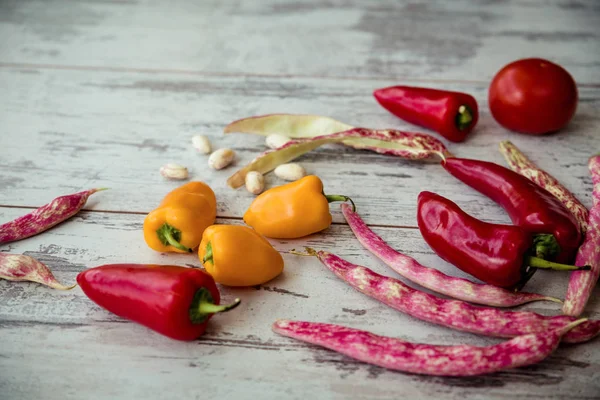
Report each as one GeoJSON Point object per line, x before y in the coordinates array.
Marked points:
{"type": "Point", "coordinates": [221, 158]}
{"type": "Point", "coordinates": [290, 172]}
{"type": "Point", "coordinates": [255, 182]}
{"type": "Point", "coordinates": [201, 144]}
{"type": "Point", "coordinates": [174, 171]}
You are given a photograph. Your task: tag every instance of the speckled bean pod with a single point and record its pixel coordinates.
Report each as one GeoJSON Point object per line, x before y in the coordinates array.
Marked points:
{"type": "Point", "coordinates": [418, 358]}
{"type": "Point", "coordinates": [19, 267]}
{"type": "Point", "coordinates": [409, 145]}
{"type": "Point", "coordinates": [518, 162]}
{"type": "Point", "coordinates": [431, 278]}
{"type": "Point", "coordinates": [581, 283]}
{"type": "Point", "coordinates": [454, 314]}
{"type": "Point", "coordinates": [45, 217]}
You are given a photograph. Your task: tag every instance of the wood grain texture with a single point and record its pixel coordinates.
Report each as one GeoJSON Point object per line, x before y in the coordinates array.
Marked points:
{"type": "Point", "coordinates": [65, 131]}
{"type": "Point", "coordinates": [335, 38]}
{"type": "Point", "coordinates": [46, 332]}
{"type": "Point", "coordinates": [101, 93]}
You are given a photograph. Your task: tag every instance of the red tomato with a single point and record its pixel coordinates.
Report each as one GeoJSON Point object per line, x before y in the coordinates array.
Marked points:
{"type": "Point", "coordinates": [533, 96]}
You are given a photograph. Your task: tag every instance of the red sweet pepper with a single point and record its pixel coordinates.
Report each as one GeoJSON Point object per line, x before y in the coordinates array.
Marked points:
{"type": "Point", "coordinates": [500, 255]}
{"type": "Point", "coordinates": [451, 114]}
{"type": "Point", "coordinates": [174, 301]}
{"type": "Point", "coordinates": [528, 205]}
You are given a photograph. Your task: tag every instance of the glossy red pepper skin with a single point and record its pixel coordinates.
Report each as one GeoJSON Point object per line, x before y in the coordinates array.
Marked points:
{"type": "Point", "coordinates": [434, 109]}
{"type": "Point", "coordinates": [528, 205]}
{"type": "Point", "coordinates": [492, 253]}
{"type": "Point", "coordinates": [156, 296]}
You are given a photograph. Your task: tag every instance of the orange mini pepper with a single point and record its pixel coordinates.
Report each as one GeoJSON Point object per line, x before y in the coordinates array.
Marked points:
{"type": "Point", "coordinates": [293, 210]}
{"type": "Point", "coordinates": [181, 218]}
{"type": "Point", "coordinates": [236, 255]}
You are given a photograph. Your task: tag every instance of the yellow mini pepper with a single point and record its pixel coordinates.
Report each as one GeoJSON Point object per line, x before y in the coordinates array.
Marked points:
{"type": "Point", "coordinates": [293, 210]}
{"type": "Point", "coordinates": [179, 221]}
{"type": "Point", "coordinates": [236, 255]}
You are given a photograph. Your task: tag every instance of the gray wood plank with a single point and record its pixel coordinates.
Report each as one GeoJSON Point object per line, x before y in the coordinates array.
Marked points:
{"type": "Point", "coordinates": [415, 40]}
{"type": "Point", "coordinates": [46, 333]}
{"type": "Point", "coordinates": [63, 131]}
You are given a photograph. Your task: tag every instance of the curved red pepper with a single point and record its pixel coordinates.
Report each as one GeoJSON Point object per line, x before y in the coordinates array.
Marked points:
{"type": "Point", "coordinates": [528, 205]}
{"type": "Point", "coordinates": [174, 301]}
{"type": "Point", "coordinates": [451, 114]}
{"type": "Point", "coordinates": [496, 254]}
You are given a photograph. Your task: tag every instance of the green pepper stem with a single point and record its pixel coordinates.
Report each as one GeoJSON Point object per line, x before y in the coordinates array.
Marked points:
{"type": "Point", "coordinates": [545, 246]}
{"type": "Point", "coordinates": [537, 262]}
{"type": "Point", "coordinates": [203, 306]}
{"type": "Point", "coordinates": [338, 197]}
{"type": "Point", "coordinates": [170, 235]}
{"type": "Point", "coordinates": [209, 308]}
{"type": "Point", "coordinates": [208, 254]}
{"type": "Point", "coordinates": [464, 117]}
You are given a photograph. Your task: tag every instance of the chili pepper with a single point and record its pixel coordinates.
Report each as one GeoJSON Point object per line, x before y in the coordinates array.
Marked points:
{"type": "Point", "coordinates": [174, 301]}
{"type": "Point", "coordinates": [496, 254]}
{"type": "Point", "coordinates": [236, 255]}
{"type": "Point", "coordinates": [454, 314]}
{"type": "Point", "coordinates": [451, 114]}
{"type": "Point", "coordinates": [181, 218]}
{"type": "Point", "coordinates": [293, 210]}
{"type": "Point", "coordinates": [518, 162]}
{"type": "Point", "coordinates": [528, 205]}
{"type": "Point", "coordinates": [427, 359]}
{"type": "Point", "coordinates": [45, 217]}
{"type": "Point", "coordinates": [19, 267]}
{"type": "Point", "coordinates": [432, 278]}
{"type": "Point", "coordinates": [582, 283]}
{"type": "Point", "coordinates": [409, 145]}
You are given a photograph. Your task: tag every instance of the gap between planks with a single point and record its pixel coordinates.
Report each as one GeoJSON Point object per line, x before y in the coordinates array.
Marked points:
{"type": "Point", "coordinates": [218, 216]}
{"type": "Point", "coordinates": [94, 68]}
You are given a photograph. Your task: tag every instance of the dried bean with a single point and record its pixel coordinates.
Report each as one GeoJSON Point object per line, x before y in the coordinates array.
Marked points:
{"type": "Point", "coordinates": [255, 182]}
{"type": "Point", "coordinates": [174, 171]}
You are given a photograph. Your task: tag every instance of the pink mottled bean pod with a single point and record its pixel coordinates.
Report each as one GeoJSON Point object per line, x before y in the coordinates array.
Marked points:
{"type": "Point", "coordinates": [408, 145]}
{"type": "Point", "coordinates": [45, 217]}
{"type": "Point", "coordinates": [19, 267]}
{"type": "Point", "coordinates": [454, 314]}
{"type": "Point", "coordinates": [433, 279]}
{"type": "Point", "coordinates": [518, 162]}
{"type": "Point", "coordinates": [581, 283]}
{"type": "Point", "coordinates": [418, 358]}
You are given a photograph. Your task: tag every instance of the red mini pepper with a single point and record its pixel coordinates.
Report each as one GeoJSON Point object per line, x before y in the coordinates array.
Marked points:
{"type": "Point", "coordinates": [451, 114]}
{"type": "Point", "coordinates": [496, 254]}
{"type": "Point", "coordinates": [174, 301]}
{"type": "Point", "coordinates": [528, 205]}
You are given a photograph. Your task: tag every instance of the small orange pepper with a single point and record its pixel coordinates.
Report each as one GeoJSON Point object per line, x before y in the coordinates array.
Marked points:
{"type": "Point", "coordinates": [293, 210]}
{"type": "Point", "coordinates": [236, 255]}
{"type": "Point", "coordinates": [181, 218]}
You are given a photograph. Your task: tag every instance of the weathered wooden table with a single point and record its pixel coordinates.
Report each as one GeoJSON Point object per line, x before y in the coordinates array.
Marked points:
{"type": "Point", "coordinates": [103, 92]}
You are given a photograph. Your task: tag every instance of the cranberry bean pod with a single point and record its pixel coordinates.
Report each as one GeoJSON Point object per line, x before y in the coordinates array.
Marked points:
{"type": "Point", "coordinates": [45, 217]}
{"type": "Point", "coordinates": [409, 145]}
{"type": "Point", "coordinates": [518, 162]}
{"type": "Point", "coordinates": [454, 314]}
{"type": "Point", "coordinates": [418, 358]}
{"type": "Point", "coordinates": [431, 278]}
{"type": "Point", "coordinates": [19, 267]}
{"type": "Point", "coordinates": [581, 283]}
